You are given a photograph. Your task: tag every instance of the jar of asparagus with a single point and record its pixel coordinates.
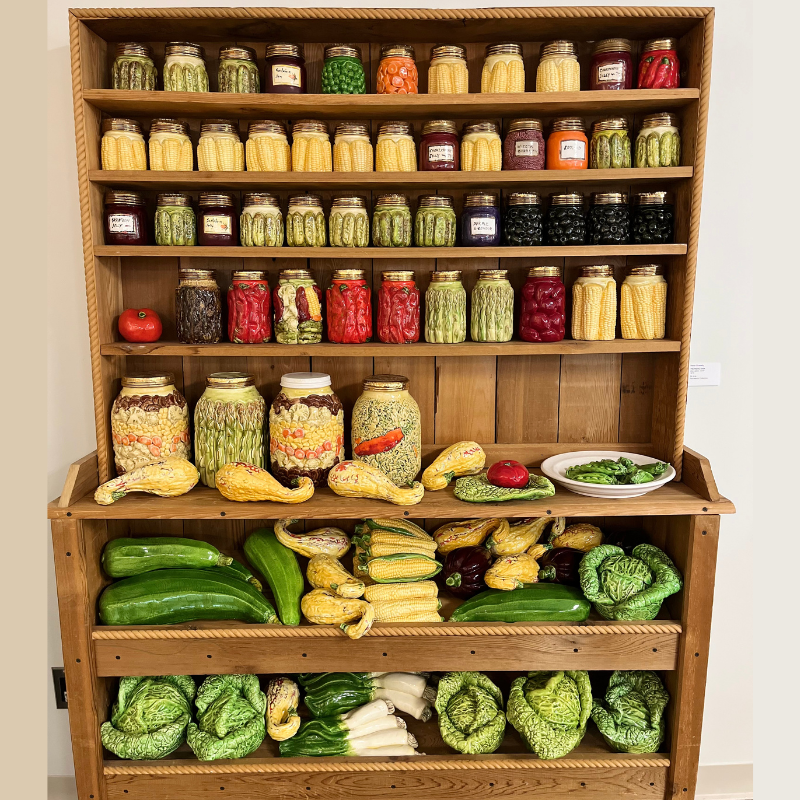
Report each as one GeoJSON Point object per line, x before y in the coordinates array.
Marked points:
{"type": "Point", "coordinates": [133, 68]}
{"type": "Point", "coordinates": [311, 146]}
{"type": "Point", "coordinates": [395, 150]}
{"type": "Point", "coordinates": [352, 149]}
{"type": "Point", "coordinates": [261, 221]}
{"type": "Point", "coordinates": [219, 148]}
{"type": "Point", "coordinates": [659, 142]}
{"type": "Point", "coordinates": [594, 304]}
{"type": "Point", "coordinates": [297, 301]}
{"type": "Point", "coordinates": [349, 222]}
{"type": "Point", "coordinates": [176, 225]}
{"type": "Point", "coordinates": [481, 148]}
{"type": "Point", "coordinates": [391, 221]}
{"type": "Point", "coordinates": [198, 307]}
{"type": "Point", "coordinates": [267, 148]}
{"type": "Point", "coordinates": [503, 69]}
{"type": "Point", "coordinates": [185, 68]}
{"type": "Point", "coordinates": [122, 146]}
{"type": "Point", "coordinates": [448, 72]}
{"type": "Point", "coordinates": [305, 222]}
{"type": "Point", "coordinates": [170, 146]}
{"type": "Point", "coordinates": [492, 307]}
{"type": "Point", "coordinates": [228, 424]}
{"type": "Point", "coordinates": [435, 222]}
{"type": "Point", "coordinates": [238, 71]}
{"type": "Point", "coordinates": [446, 308]}
{"type": "Point", "coordinates": [643, 303]}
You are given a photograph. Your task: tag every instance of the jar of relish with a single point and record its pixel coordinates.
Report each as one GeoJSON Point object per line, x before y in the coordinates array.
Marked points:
{"type": "Point", "coordinates": [286, 69]}
{"type": "Point", "coordinates": [124, 221]}
{"type": "Point", "coordinates": [612, 66]}
{"type": "Point", "coordinates": [249, 312]}
{"type": "Point", "coordinates": [398, 308]}
{"type": "Point", "coordinates": [438, 147]}
{"type": "Point", "coordinates": [349, 307]}
{"type": "Point", "coordinates": [217, 225]}
{"type": "Point", "coordinates": [480, 221]}
{"type": "Point", "coordinates": [543, 306]}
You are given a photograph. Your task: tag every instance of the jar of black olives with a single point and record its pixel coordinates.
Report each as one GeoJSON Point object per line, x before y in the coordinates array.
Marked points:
{"type": "Point", "coordinates": [653, 219]}
{"type": "Point", "coordinates": [609, 219]}
{"type": "Point", "coordinates": [522, 224]}
{"type": "Point", "coordinates": [566, 222]}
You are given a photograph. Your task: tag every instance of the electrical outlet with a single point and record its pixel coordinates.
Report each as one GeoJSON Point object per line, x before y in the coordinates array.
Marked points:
{"type": "Point", "coordinates": [60, 687]}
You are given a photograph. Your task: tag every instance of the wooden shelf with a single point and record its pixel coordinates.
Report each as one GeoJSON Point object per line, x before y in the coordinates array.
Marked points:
{"type": "Point", "coordinates": [377, 106]}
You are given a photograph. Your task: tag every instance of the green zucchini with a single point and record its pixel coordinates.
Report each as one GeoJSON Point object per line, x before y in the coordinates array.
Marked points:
{"type": "Point", "coordinates": [124, 557]}
{"type": "Point", "coordinates": [170, 596]}
{"type": "Point", "coordinates": [238, 570]}
{"type": "Point", "coordinates": [538, 602]}
{"type": "Point", "coordinates": [278, 564]}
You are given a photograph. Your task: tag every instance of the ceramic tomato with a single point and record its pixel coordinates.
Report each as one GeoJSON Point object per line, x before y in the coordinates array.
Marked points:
{"type": "Point", "coordinates": [508, 474]}
{"type": "Point", "coordinates": [140, 325]}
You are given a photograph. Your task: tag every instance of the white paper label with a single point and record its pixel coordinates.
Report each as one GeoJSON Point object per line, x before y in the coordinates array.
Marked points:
{"type": "Point", "coordinates": [610, 73]}
{"type": "Point", "coordinates": [214, 224]}
{"type": "Point", "coordinates": [707, 374]}
{"type": "Point", "coordinates": [440, 152]}
{"type": "Point", "coordinates": [526, 148]}
{"type": "Point", "coordinates": [285, 75]}
{"type": "Point", "coordinates": [121, 223]}
{"type": "Point", "coordinates": [482, 226]}
{"type": "Point", "coordinates": [572, 149]}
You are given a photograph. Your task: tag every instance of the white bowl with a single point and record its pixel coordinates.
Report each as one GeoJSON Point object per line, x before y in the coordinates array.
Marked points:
{"type": "Point", "coordinates": [556, 468]}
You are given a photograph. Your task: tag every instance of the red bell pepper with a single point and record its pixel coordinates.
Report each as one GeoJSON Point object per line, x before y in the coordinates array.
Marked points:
{"type": "Point", "coordinates": [140, 325]}
{"type": "Point", "coordinates": [379, 444]}
{"type": "Point", "coordinates": [508, 474]}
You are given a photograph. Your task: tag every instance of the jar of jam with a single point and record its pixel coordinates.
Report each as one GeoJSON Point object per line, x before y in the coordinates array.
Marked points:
{"type": "Point", "coordinates": [395, 151]}
{"type": "Point", "coordinates": [170, 146]}
{"type": "Point", "coordinates": [217, 226]}
{"type": "Point", "coordinates": [124, 220]}
{"type": "Point", "coordinates": [343, 72]}
{"type": "Point", "coordinates": [522, 223]}
{"type": "Point", "coordinates": [566, 222]}
{"type": "Point", "coordinates": [543, 313]}
{"type": "Point", "coordinates": [435, 225]}
{"type": "Point", "coordinates": [398, 308]}
{"type": "Point", "coordinates": [612, 65]}
{"type": "Point", "coordinates": [352, 148]}
{"type": "Point", "coordinates": [397, 71]}
{"type": "Point", "coordinates": [448, 72]}
{"type": "Point", "coordinates": [558, 69]}
{"type": "Point", "coordinates": [122, 146]}
{"type": "Point", "coordinates": [311, 146]}
{"type": "Point", "coordinates": [286, 69]}
{"type": "Point", "coordinates": [198, 307]}
{"type": "Point", "coordinates": [653, 219]}
{"type": "Point", "coordinates": [659, 142]}
{"type": "Point", "coordinates": [567, 145]}
{"type": "Point", "coordinates": [492, 307]}
{"type": "Point", "coordinates": [267, 148]}
{"type": "Point", "coordinates": [610, 147]}
{"type": "Point", "coordinates": [523, 147]}
{"type": "Point", "coordinates": [643, 303]}
{"type": "Point", "coordinates": [594, 304]}
{"type": "Point", "coordinates": [297, 301]}
{"type": "Point", "coordinates": [481, 148]}
{"type": "Point", "coordinates": [185, 67]}
{"type": "Point", "coordinates": [659, 67]}
{"type": "Point", "coordinates": [503, 69]}
{"type": "Point", "coordinates": [238, 70]}
{"type": "Point", "coordinates": [446, 308]}
{"type": "Point", "coordinates": [480, 221]}
{"type": "Point", "coordinates": [349, 222]}
{"type": "Point", "coordinates": [261, 221]}
{"type": "Point", "coordinates": [133, 67]}
{"type": "Point", "coordinates": [176, 225]}
{"type": "Point", "coordinates": [349, 307]}
{"type": "Point", "coordinates": [219, 148]}
{"type": "Point", "coordinates": [249, 313]}
{"type": "Point", "coordinates": [438, 147]}
{"type": "Point", "coordinates": [609, 219]}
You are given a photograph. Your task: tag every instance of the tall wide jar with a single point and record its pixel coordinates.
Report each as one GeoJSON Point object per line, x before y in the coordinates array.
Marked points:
{"type": "Point", "coordinates": [567, 145]}
{"type": "Point", "coordinates": [436, 222]}
{"type": "Point", "coordinates": [391, 221]}
{"type": "Point", "coordinates": [238, 71]}
{"type": "Point", "coordinates": [446, 308]}
{"type": "Point", "coordinates": [523, 147]}
{"type": "Point", "coordinates": [594, 304]}
{"type": "Point", "coordinates": [217, 225]}
{"type": "Point", "coordinates": [481, 148]}
{"type": "Point", "coordinates": [311, 146]}
{"type": "Point", "coordinates": [228, 424]}
{"type": "Point", "coordinates": [349, 307]}
{"type": "Point", "coordinates": [352, 149]}
{"type": "Point", "coordinates": [305, 222]}
{"type": "Point", "coordinates": [523, 220]}
{"type": "Point", "coordinates": [386, 428]}
{"type": "Point", "coordinates": [609, 219]}
{"type": "Point", "coordinates": [297, 301]}
{"type": "Point", "coordinates": [398, 308]}
{"type": "Point", "coordinates": [565, 223]}
{"type": "Point", "coordinates": [133, 68]}
{"type": "Point", "coordinates": [249, 312]}
{"type": "Point", "coordinates": [261, 221]}
{"type": "Point", "coordinates": [395, 150]}
{"type": "Point", "coordinates": [653, 219]}
{"type": "Point", "coordinates": [448, 72]}
{"type": "Point", "coordinates": [438, 146]}
{"type": "Point", "coordinates": [611, 66]}
{"type": "Point", "coordinates": [492, 307]}
{"type": "Point", "coordinates": [342, 70]}
{"type": "Point", "coordinates": [185, 68]}
{"type": "Point", "coordinates": [397, 70]}
{"type": "Point", "coordinates": [659, 142]}
{"type": "Point", "coordinates": [267, 148]}
{"type": "Point", "coordinates": [558, 69]}
{"type": "Point", "coordinates": [176, 225]}
{"type": "Point", "coordinates": [543, 306]}
{"type": "Point", "coordinates": [122, 146]}
{"type": "Point", "coordinates": [198, 307]}
{"type": "Point", "coordinates": [219, 148]}
{"type": "Point", "coordinates": [124, 219]}
{"type": "Point", "coordinates": [610, 147]}
{"type": "Point", "coordinates": [349, 222]}
{"type": "Point", "coordinates": [170, 146]}
{"type": "Point", "coordinates": [503, 69]}
{"type": "Point", "coordinates": [149, 420]}
{"type": "Point", "coordinates": [286, 69]}
{"type": "Point", "coordinates": [480, 221]}
{"type": "Point", "coordinates": [306, 429]}
{"type": "Point", "coordinates": [643, 303]}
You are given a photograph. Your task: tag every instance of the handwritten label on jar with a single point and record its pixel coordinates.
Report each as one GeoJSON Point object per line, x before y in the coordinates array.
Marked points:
{"type": "Point", "coordinates": [526, 148]}
{"type": "Point", "coordinates": [121, 223]}
{"type": "Point", "coordinates": [611, 73]}
{"type": "Point", "coordinates": [482, 226]}
{"type": "Point", "coordinates": [440, 152]}
{"type": "Point", "coordinates": [284, 75]}
{"type": "Point", "coordinates": [214, 224]}
{"type": "Point", "coordinates": [572, 149]}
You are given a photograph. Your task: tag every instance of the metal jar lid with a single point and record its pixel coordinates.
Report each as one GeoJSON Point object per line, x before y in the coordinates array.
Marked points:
{"type": "Point", "coordinates": [480, 199]}
{"type": "Point", "coordinates": [613, 46]}
{"type": "Point", "coordinates": [218, 126]}
{"type": "Point", "coordinates": [504, 48]}
{"type": "Point", "coordinates": [397, 275]}
{"type": "Point", "coordinates": [229, 380]}
{"type": "Point", "coordinates": [305, 200]}
{"type": "Point", "coordinates": [611, 124]}
{"type": "Point", "coordinates": [597, 271]}
{"type": "Point", "coordinates": [174, 199]}
{"type": "Point", "coordinates": [525, 125]}
{"type": "Point", "coordinates": [646, 269]}
{"type": "Point", "coordinates": [350, 201]}
{"type": "Point", "coordinates": [448, 51]}
{"type": "Point", "coordinates": [483, 126]}
{"type": "Point", "coordinates": [147, 380]}
{"type": "Point", "coordinates": [122, 197]}
{"type": "Point", "coordinates": [667, 43]}
{"type": "Point", "coordinates": [289, 274]}
{"type": "Point", "coordinates": [351, 129]}
{"type": "Point", "coordinates": [389, 50]}
{"type": "Point", "coordinates": [569, 199]}
{"type": "Point", "coordinates": [662, 119]}
{"type": "Point", "coordinates": [446, 276]}
{"type": "Point", "coordinates": [196, 275]}
{"type": "Point", "coordinates": [568, 124]}
{"type": "Point", "coordinates": [169, 126]}
{"type": "Point", "coordinates": [544, 272]}
{"type": "Point", "coordinates": [117, 124]}
{"type": "Point", "coordinates": [388, 383]}
{"type": "Point", "coordinates": [395, 128]}
{"type": "Point", "coordinates": [562, 47]}
{"type": "Point", "coordinates": [215, 199]}
{"type": "Point", "coordinates": [349, 274]}
{"type": "Point", "coordinates": [340, 50]}
{"type": "Point", "coordinates": [436, 201]}
{"type": "Point", "coordinates": [134, 49]}
{"type": "Point", "coordinates": [650, 198]}
{"type": "Point", "coordinates": [440, 126]}
{"type": "Point", "coordinates": [392, 200]}
{"type": "Point", "coordinates": [524, 199]}
{"type": "Point", "coordinates": [266, 126]}
{"type": "Point", "coordinates": [609, 198]}
{"type": "Point", "coordinates": [248, 275]}
{"type": "Point", "coordinates": [492, 274]}
{"type": "Point", "coordinates": [310, 126]}
{"type": "Point", "coordinates": [184, 49]}
{"type": "Point", "coordinates": [284, 49]}
{"type": "Point", "coordinates": [239, 52]}
{"type": "Point", "coordinates": [259, 199]}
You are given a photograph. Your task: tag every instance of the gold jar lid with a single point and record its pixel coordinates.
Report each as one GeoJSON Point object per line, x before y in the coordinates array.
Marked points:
{"type": "Point", "coordinates": [436, 201]}
{"type": "Point", "coordinates": [480, 199]}
{"type": "Point", "coordinates": [446, 275]}
{"type": "Point", "coordinates": [448, 51]}
{"type": "Point", "coordinates": [248, 275]}
{"type": "Point", "coordinates": [568, 199]}
{"type": "Point", "coordinates": [310, 126]}
{"type": "Point", "coordinates": [219, 126]}
{"type": "Point", "coordinates": [339, 50]}
{"type": "Point", "coordinates": [351, 129]}
{"type": "Point", "coordinates": [646, 269]}
{"type": "Point", "coordinates": [259, 199]}
{"type": "Point", "coordinates": [350, 201]}
{"type": "Point", "coordinates": [229, 380]}
{"type": "Point", "coordinates": [284, 49]}
{"type": "Point", "coordinates": [609, 198]}
{"type": "Point", "coordinates": [184, 49]}
{"type": "Point", "coordinates": [266, 126]}
{"type": "Point", "coordinates": [217, 199]}
{"type": "Point", "coordinates": [650, 199]}
{"type": "Point", "coordinates": [568, 124]}
{"type": "Point", "coordinates": [492, 274]}
{"type": "Point", "coordinates": [118, 124]}
{"type": "Point", "coordinates": [524, 199]}
{"type": "Point", "coordinates": [122, 197]}
{"type": "Point", "coordinates": [387, 383]}
{"type": "Point", "coordinates": [134, 49]}
{"type": "Point", "coordinates": [525, 125]}
{"type": "Point", "coordinates": [662, 119]}
{"type": "Point", "coordinates": [440, 126]}
{"type": "Point", "coordinates": [559, 47]}
{"type": "Point", "coordinates": [169, 126]}
{"type": "Point", "coordinates": [667, 43]}
{"type": "Point", "coordinates": [392, 200]}
{"type": "Point", "coordinates": [397, 275]}
{"type": "Point", "coordinates": [196, 275]}
{"type": "Point", "coordinates": [597, 271]}
{"type": "Point", "coordinates": [349, 274]}
{"type": "Point", "coordinates": [237, 51]}
{"type": "Point", "coordinates": [291, 274]}
{"type": "Point", "coordinates": [174, 199]}
{"type": "Point", "coordinates": [544, 272]}
{"type": "Point", "coordinates": [147, 380]}
{"type": "Point", "coordinates": [389, 50]}
{"type": "Point", "coordinates": [613, 46]}
{"type": "Point", "coordinates": [395, 128]}
{"type": "Point", "coordinates": [611, 124]}
{"type": "Point", "coordinates": [482, 126]}
{"type": "Point", "coordinates": [504, 48]}
{"type": "Point", "coordinates": [305, 200]}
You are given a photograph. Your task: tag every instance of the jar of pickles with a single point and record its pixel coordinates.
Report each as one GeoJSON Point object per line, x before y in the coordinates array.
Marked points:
{"type": "Point", "coordinates": [397, 71]}
{"type": "Point", "coordinates": [170, 146]}
{"type": "Point", "coordinates": [395, 151]}
{"type": "Point", "coordinates": [565, 223]}
{"type": "Point", "coordinates": [352, 149]}
{"type": "Point", "coordinates": [594, 304]}
{"type": "Point", "coordinates": [610, 147]}
{"type": "Point", "coordinates": [435, 222]}
{"type": "Point", "coordinates": [124, 219]}
{"type": "Point", "coordinates": [185, 68]}
{"type": "Point", "coordinates": [567, 145]}
{"type": "Point", "coordinates": [149, 420]}
{"type": "Point", "coordinates": [306, 429]}
{"type": "Point", "coordinates": [133, 68]}
{"type": "Point", "coordinates": [438, 147]}
{"type": "Point", "coordinates": [305, 222]}
{"type": "Point", "coordinates": [653, 219]}
{"type": "Point", "coordinates": [659, 142]}
{"type": "Point", "coordinates": [267, 148]}
{"type": "Point", "coordinates": [523, 147]}
{"type": "Point", "coordinates": [480, 221]}
{"type": "Point", "coordinates": [349, 222]}
{"type": "Point", "coordinates": [122, 146]}
{"type": "Point", "coordinates": [343, 72]}
{"type": "Point", "coordinates": [198, 307]}
{"type": "Point", "coordinates": [228, 424]}
{"type": "Point", "coordinates": [643, 303]}
{"type": "Point", "coordinates": [481, 149]}
{"type": "Point", "coordinates": [297, 301]}
{"type": "Point", "coordinates": [398, 308]}
{"type": "Point", "coordinates": [238, 71]}
{"type": "Point", "coordinates": [286, 69]}
{"type": "Point", "coordinates": [609, 219]}
{"type": "Point", "coordinates": [391, 221]}
{"type": "Point", "coordinates": [659, 67]}
{"type": "Point", "coordinates": [503, 69]}
{"type": "Point", "coordinates": [523, 220]}
{"type": "Point", "coordinates": [219, 148]}
{"type": "Point", "coordinates": [261, 221]}
{"type": "Point", "coordinates": [176, 225]}
{"type": "Point", "coordinates": [448, 73]}
{"type": "Point", "coordinates": [349, 307]}
{"type": "Point", "coordinates": [446, 308]}
{"type": "Point", "coordinates": [543, 306]}
{"type": "Point", "coordinates": [612, 66]}
{"type": "Point", "coordinates": [217, 225]}
{"type": "Point", "coordinates": [249, 312]}
{"type": "Point", "coordinates": [311, 146]}
{"type": "Point", "coordinates": [558, 69]}
{"type": "Point", "coordinates": [492, 307]}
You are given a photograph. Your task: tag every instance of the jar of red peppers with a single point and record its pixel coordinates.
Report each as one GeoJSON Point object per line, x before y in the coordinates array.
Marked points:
{"type": "Point", "coordinates": [124, 219]}
{"type": "Point", "coordinates": [612, 66]}
{"type": "Point", "coordinates": [438, 147]}
{"type": "Point", "coordinates": [349, 308]}
{"type": "Point", "coordinates": [398, 308]}
{"type": "Point", "coordinates": [523, 147]}
{"type": "Point", "coordinates": [659, 67]}
{"type": "Point", "coordinates": [543, 306]}
{"type": "Point", "coordinates": [217, 225]}
{"type": "Point", "coordinates": [249, 313]}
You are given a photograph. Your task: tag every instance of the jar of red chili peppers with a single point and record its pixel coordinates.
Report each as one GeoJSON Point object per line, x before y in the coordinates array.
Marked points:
{"type": "Point", "coordinates": [612, 66]}
{"type": "Point", "coordinates": [217, 224]}
{"type": "Point", "coordinates": [523, 147]}
{"type": "Point", "coordinates": [543, 306]}
{"type": "Point", "coordinates": [398, 308]}
{"type": "Point", "coordinates": [124, 219]}
{"type": "Point", "coordinates": [249, 313]}
{"type": "Point", "coordinates": [659, 67]}
{"type": "Point", "coordinates": [438, 147]}
{"type": "Point", "coordinates": [349, 308]}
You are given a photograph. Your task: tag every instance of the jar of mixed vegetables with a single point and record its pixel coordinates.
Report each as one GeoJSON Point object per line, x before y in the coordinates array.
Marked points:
{"type": "Point", "coordinates": [391, 221]}
{"type": "Point", "coordinates": [286, 69]}
{"type": "Point", "coordinates": [185, 68]}
{"type": "Point", "coordinates": [446, 308]}
{"type": "Point", "coordinates": [261, 221]}
{"type": "Point", "coordinates": [558, 69]}
{"type": "Point", "coordinates": [610, 147]}
{"type": "Point", "coordinates": [523, 147]}
{"type": "Point", "coordinates": [448, 73]}
{"type": "Point", "coordinates": [480, 220]}
{"type": "Point", "coordinates": [238, 71]}
{"type": "Point", "coordinates": [653, 218]}
{"type": "Point", "coordinates": [176, 225]}
{"type": "Point", "coordinates": [503, 69]}
{"type": "Point", "coordinates": [609, 219]}
{"type": "Point", "coordinates": [438, 146]}
{"type": "Point", "coordinates": [267, 148]}
{"type": "Point", "coordinates": [567, 145]}
{"type": "Point", "coordinates": [133, 68]}
{"type": "Point", "coordinates": [436, 222]}
{"type": "Point", "coordinates": [124, 219]}
{"type": "Point", "coordinates": [349, 222]}
{"type": "Point", "coordinates": [612, 66]}
{"type": "Point", "coordinates": [219, 148]}
{"type": "Point", "coordinates": [305, 222]}
{"type": "Point", "coordinates": [198, 307]}
{"type": "Point", "coordinates": [659, 142]}
{"type": "Point", "coordinates": [249, 312]}
{"type": "Point", "coordinates": [122, 146]}
{"type": "Point", "coordinates": [398, 308]}
{"type": "Point", "coordinates": [397, 71]}
{"type": "Point", "coordinates": [311, 146]}
{"type": "Point", "coordinates": [395, 151]}
{"type": "Point", "coordinates": [523, 220]}
{"type": "Point", "coordinates": [170, 146]}
{"type": "Point", "coordinates": [352, 149]}
{"type": "Point", "coordinates": [343, 72]}
{"type": "Point", "coordinates": [543, 306]}
{"type": "Point", "coordinates": [659, 67]}
{"type": "Point", "coordinates": [297, 301]}
{"type": "Point", "coordinates": [349, 307]}
{"type": "Point", "coordinates": [643, 303]}
{"type": "Point", "coordinates": [492, 307]}
{"type": "Point", "coordinates": [481, 149]}
{"type": "Point", "coordinates": [565, 223]}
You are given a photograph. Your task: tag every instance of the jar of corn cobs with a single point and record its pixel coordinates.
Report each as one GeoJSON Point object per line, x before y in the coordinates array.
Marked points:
{"type": "Point", "coordinates": [448, 73]}
{"type": "Point", "coordinates": [446, 308]}
{"type": "Point", "coordinates": [267, 148]}
{"type": "Point", "coordinates": [391, 221]}
{"type": "Point", "coordinates": [352, 149]}
{"type": "Point", "coordinates": [524, 145]}
{"type": "Point", "coordinates": [481, 148]}
{"type": "Point", "coordinates": [395, 151]}
{"type": "Point", "coordinates": [170, 146]}
{"type": "Point", "coordinates": [653, 218]}
{"type": "Point", "coordinates": [217, 224]}
{"type": "Point", "coordinates": [610, 147]}
{"type": "Point", "coordinates": [185, 68]}
{"type": "Point", "coordinates": [503, 69]}
{"type": "Point", "coordinates": [175, 220]}
{"type": "Point", "coordinates": [261, 221]}
{"type": "Point", "coordinates": [349, 222]}
{"type": "Point", "coordinates": [594, 304]}
{"type": "Point", "coordinates": [238, 71]}
{"type": "Point", "coordinates": [124, 220]}
{"type": "Point", "coordinates": [438, 146]}
{"type": "Point", "coordinates": [122, 145]}
{"type": "Point", "coordinates": [643, 303]}
{"type": "Point", "coordinates": [133, 67]}
{"type": "Point", "coordinates": [305, 222]}
{"type": "Point", "coordinates": [397, 71]}
{"type": "Point", "coordinates": [286, 69]}
{"type": "Point", "coordinates": [558, 69]}
{"type": "Point", "coordinates": [249, 313]}
{"type": "Point", "coordinates": [219, 148]}
{"type": "Point", "coordinates": [311, 146]}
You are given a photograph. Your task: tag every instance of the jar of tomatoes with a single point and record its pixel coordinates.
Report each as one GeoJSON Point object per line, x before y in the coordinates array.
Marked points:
{"type": "Point", "coordinates": [349, 307]}
{"type": "Point", "coordinates": [543, 306]}
{"type": "Point", "coordinates": [567, 145]}
{"type": "Point", "coordinates": [397, 71]}
{"type": "Point", "coordinates": [612, 66]}
{"type": "Point", "coordinates": [398, 308]}
{"type": "Point", "coordinates": [286, 69]}
{"type": "Point", "coordinates": [249, 313]}
{"type": "Point", "coordinates": [217, 225]}
{"type": "Point", "coordinates": [438, 147]}
{"type": "Point", "coordinates": [124, 220]}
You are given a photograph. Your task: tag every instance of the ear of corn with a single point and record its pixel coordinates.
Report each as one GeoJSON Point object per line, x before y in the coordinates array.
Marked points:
{"type": "Point", "coordinates": [268, 154]}
{"type": "Point", "coordinates": [643, 308]}
{"type": "Point", "coordinates": [516, 76]}
{"type": "Point", "coordinates": [402, 526]}
{"type": "Point", "coordinates": [311, 154]}
{"type": "Point", "coordinates": [406, 609]}
{"type": "Point", "coordinates": [400, 544]}
{"type": "Point", "coordinates": [171, 154]}
{"type": "Point", "coordinates": [381, 592]}
{"type": "Point", "coordinates": [483, 153]}
{"type": "Point", "coordinates": [352, 156]}
{"type": "Point", "coordinates": [448, 77]}
{"type": "Point", "coordinates": [401, 568]}
{"type": "Point", "coordinates": [122, 153]}
{"type": "Point", "coordinates": [220, 154]}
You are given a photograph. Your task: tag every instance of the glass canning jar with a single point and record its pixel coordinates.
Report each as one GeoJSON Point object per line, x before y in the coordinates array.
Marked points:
{"type": "Point", "coordinates": [610, 147]}
{"type": "Point", "coordinates": [219, 148]}
{"type": "Point", "coordinates": [397, 71]}
{"type": "Point", "coordinates": [659, 67]}
{"type": "Point", "coordinates": [185, 68]}
{"type": "Point", "coordinates": [448, 72]}
{"type": "Point", "coordinates": [217, 225]}
{"type": "Point", "coordinates": [395, 150]}
{"type": "Point", "coordinates": [286, 69]}
{"type": "Point", "coordinates": [480, 221]}
{"type": "Point", "coordinates": [438, 146]}
{"type": "Point", "coordinates": [176, 225]}
{"type": "Point", "coordinates": [311, 146]}
{"type": "Point", "coordinates": [609, 219]}
{"type": "Point", "coordinates": [542, 317]}
{"type": "Point", "coordinates": [391, 221]}
{"type": "Point", "coordinates": [567, 145]}
{"type": "Point", "coordinates": [305, 222]}
{"type": "Point", "coordinates": [398, 308]}
{"type": "Point", "coordinates": [249, 312]}
{"type": "Point", "coordinates": [198, 307]}
{"type": "Point", "coordinates": [261, 221]}
{"type": "Point", "coordinates": [643, 303]}
{"type": "Point", "coordinates": [435, 224]}
{"type": "Point", "coordinates": [611, 66]}
{"type": "Point", "coordinates": [522, 222]}
{"type": "Point", "coordinates": [342, 71]}
{"type": "Point", "coordinates": [267, 148]}
{"type": "Point", "coordinates": [297, 301]}
{"type": "Point", "coordinates": [503, 69]}
{"type": "Point", "coordinates": [352, 148]}
{"type": "Point", "coordinates": [481, 148]}
{"type": "Point", "coordinates": [653, 219]}
{"type": "Point", "coordinates": [122, 146]}
{"type": "Point", "coordinates": [124, 218]}
{"type": "Point", "coordinates": [659, 142]}
{"type": "Point", "coordinates": [349, 307]}
{"type": "Point", "coordinates": [558, 69]}
{"type": "Point", "coordinates": [594, 304]}
{"type": "Point", "coordinates": [492, 318]}
{"type": "Point", "coordinates": [565, 223]}
{"type": "Point", "coordinates": [238, 71]}
{"type": "Point", "coordinates": [523, 147]}
{"type": "Point", "coordinates": [170, 146]}
{"type": "Point", "coordinates": [349, 222]}
{"type": "Point", "coordinates": [133, 67]}
{"type": "Point", "coordinates": [446, 308]}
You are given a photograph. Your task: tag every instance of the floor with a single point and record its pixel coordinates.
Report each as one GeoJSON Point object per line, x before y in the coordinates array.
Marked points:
{"type": "Point", "coordinates": [61, 789]}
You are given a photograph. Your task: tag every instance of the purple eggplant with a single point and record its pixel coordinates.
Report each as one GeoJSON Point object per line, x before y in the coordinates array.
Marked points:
{"type": "Point", "coordinates": [560, 565]}
{"type": "Point", "coordinates": [464, 570]}
{"type": "Point", "coordinates": [627, 540]}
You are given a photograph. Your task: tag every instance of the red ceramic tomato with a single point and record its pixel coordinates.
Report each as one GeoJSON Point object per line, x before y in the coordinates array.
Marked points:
{"type": "Point", "coordinates": [139, 325]}
{"type": "Point", "coordinates": [508, 474]}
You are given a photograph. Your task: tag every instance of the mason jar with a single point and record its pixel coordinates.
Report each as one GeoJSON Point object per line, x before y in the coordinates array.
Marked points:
{"type": "Point", "coordinates": [122, 146]}
{"type": "Point", "coordinates": [170, 146]}
{"type": "Point", "coordinates": [448, 72]}
{"type": "Point", "coordinates": [643, 303]}
{"type": "Point", "coordinates": [492, 307]}
{"type": "Point", "coordinates": [446, 308]}
{"type": "Point", "coordinates": [653, 219]}
{"type": "Point", "coordinates": [391, 221]}
{"type": "Point", "coordinates": [594, 304]}
{"type": "Point", "coordinates": [286, 69]}
{"type": "Point", "coordinates": [237, 72]}
{"type": "Point", "coordinates": [267, 148]}
{"type": "Point", "coordinates": [261, 221]}
{"type": "Point", "coordinates": [503, 69]}
{"type": "Point", "coordinates": [558, 69]}
{"type": "Point", "coordinates": [198, 307]}
{"type": "Point", "coordinates": [185, 68]}
{"type": "Point", "coordinates": [219, 148]}
{"type": "Point", "coordinates": [659, 142]}
{"type": "Point", "coordinates": [133, 68]}
{"type": "Point", "coordinates": [436, 221]}
{"type": "Point", "coordinates": [349, 222]}
{"type": "Point", "coordinates": [305, 222]}
{"type": "Point", "coordinates": [217, 224]}
{"type": "Point", "coordinates": [481, 148]}
{"type": "Point", "coordinates": [609, 219]}
{"type": "Point", "coordinates": [480, 220]}
{"type": "Point", "coordinates": [124, 219]}
{"type": "Point", "coordinates": [352, 149]}
{"type": "Point", "coordinates": [297, 301]}
{"type": "Point", "coordinates": [610, 147]}
{"type": "Point", "coordinates": [176, 225]}
{"type": "Point", "coordinates": [249, 311]}
{"type": "Point", "coordinates": [311, 146]}
{"type": "Point", "coordinates": [395, 150]}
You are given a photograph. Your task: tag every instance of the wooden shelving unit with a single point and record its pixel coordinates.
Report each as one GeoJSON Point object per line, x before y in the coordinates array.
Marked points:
{"type": "Point", "coordinates": [520, 400]}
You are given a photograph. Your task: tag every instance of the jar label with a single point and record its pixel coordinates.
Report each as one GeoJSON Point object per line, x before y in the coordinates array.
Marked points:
{"type": "Point", "coordinates": [611, 73]}
{"type": "Point", "coordinates": [572, 149]}
{"type": "Point", "coordinates": [217, 224]}
{"type": "Point", "coordinates": [526, 148]}
{"type": "Point", "coordinates": [482, 226]}
{"type": "Point", "coordinates": [285, 75]}
{"type": "Point", "coordinates": [121, 223]}
{"type": "Point", "coordinates": [441, 152]}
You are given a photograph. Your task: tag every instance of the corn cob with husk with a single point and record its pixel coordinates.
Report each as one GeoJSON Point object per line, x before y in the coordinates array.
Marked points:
{"type": "Point", "coordinates": [399, 568]}
{"type": "Point", "coordinates": [408, 609]}
{"type": "Point", "coordinates": [643, 307]}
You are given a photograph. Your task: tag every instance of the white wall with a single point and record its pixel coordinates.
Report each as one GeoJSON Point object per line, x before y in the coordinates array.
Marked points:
{"type": "Point", "coordinates": [718, 418]}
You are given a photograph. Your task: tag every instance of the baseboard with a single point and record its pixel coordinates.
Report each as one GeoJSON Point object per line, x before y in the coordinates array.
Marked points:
{"type": "Point", "coordinates": [725, 782]}
{"type": "Point", "coordinates": [61, 788]}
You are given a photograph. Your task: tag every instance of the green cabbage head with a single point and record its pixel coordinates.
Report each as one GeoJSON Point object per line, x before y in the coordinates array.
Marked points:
{"type": "Point", "coordinates": [628, 587]}
{"type": "Point", "coordinates": [550, 710]}
{"type": "Point", "coordinates": [470, 708]}
{"type": "Point", "coordinates": [231, 720]}
{"type": "Point", "coordinates": [150, 716]}
{"type": "Point", "coordinates": [631, 718]}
